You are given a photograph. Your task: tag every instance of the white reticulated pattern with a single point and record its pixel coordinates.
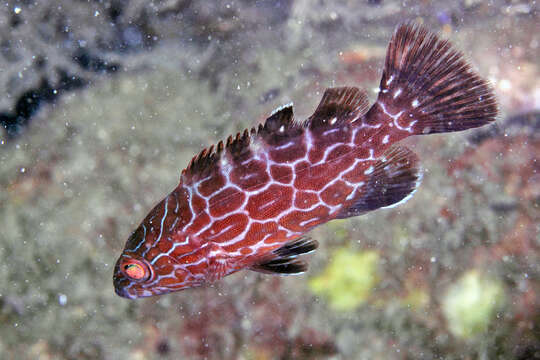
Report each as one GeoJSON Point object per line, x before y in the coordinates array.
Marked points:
{"type": "Point", "coordinates": [260, 152]}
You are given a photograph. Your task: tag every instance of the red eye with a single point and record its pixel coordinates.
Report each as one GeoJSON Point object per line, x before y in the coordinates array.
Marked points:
{"type": "Point", "coordinates": [135, 269]}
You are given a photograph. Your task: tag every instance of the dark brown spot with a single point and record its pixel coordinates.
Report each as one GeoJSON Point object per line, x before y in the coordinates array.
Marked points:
{"type": "Point", "coordinates": [270, 203]}
{"type": "Point", "coordinates": [256, 232]}
{"type": "Point", "coordinates": [183, 212]}
{"type": "Point", "coordinates": [296, 150]}
{"type": "Point", "coordinates": [226, 229]}
{"type": "Point", "coordinates": [198, 204]}
{"type": "Point", "coordinates": [281, 173]}
{"type": "Point", "coordinates": [198, 223]}
{"type": "Point", "coordinates": [164, 245]}
{"type": "Point", "coordinates": [225, 201]}
{"type": "Point", "coordinates": [305, 200]}
{"type": "Point", "coordinates": [163, 347]}
{"type": "Point", "coordinates": [250, 176]}
{"type": "Point", "coordinates": [312, 177]}
{"type": "Point", "coordinates": [304, 220]}
{"type": "Point", "coordinates": [212, 185]}
{"type": "Point", "coordinates": [336, 193]}
{"type": "Point", "coordinates": [278, 236]}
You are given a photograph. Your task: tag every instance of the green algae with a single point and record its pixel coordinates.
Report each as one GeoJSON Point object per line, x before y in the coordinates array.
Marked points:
{"type": "Point", "coordinates": [348, 280]}
{"type": "Point", "coordinates": [470, 304]}
{"type": "Point", "coordinates": [416, 299]}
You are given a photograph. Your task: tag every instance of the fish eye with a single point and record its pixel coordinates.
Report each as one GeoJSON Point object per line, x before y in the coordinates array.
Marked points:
{"type": "Point", "coordinates": [135, 269]}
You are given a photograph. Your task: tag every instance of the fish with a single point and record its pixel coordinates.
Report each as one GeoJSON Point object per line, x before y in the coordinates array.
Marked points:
{"type": "Point", "coordinates": [248, 202]}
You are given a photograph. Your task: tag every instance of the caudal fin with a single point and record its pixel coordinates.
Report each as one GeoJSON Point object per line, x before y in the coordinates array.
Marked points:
{"type": "Point", "coordinates": [427, 87]}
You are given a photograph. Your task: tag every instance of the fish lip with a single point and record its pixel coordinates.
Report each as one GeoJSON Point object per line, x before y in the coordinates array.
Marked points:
{"type": "Point", "coordinates": [122, 292]}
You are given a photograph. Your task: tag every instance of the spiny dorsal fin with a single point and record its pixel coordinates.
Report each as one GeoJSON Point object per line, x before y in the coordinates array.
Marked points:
{"type": "Point", "coordinates": [342, 103]}
{"type": "Point", "coordinates": [279, 127]}
{"type": "Point", "coordinates": [393, 181]}
{"type": "Point", "coordinates": [203, 160]}
{"type": "Point", "coordinates": [284, 260]}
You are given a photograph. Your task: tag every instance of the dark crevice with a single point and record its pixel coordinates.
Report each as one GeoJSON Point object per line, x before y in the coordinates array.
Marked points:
{"type": "Point", "coordinates": [30, 101]}
{"type": "Point", "coordinates": [127, 32]}
{"type": "Point", "coordinates": [89, 62]}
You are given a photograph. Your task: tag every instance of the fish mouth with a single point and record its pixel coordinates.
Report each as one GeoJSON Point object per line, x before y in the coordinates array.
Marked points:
{"type": "Point", "coordinates": [123, 292]}
{"type": "Point", "coordinates": [121, 288]}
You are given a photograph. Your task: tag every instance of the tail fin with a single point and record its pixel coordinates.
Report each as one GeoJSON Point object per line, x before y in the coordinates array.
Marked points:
{"type": "Point", "coordinates": [427, 87]}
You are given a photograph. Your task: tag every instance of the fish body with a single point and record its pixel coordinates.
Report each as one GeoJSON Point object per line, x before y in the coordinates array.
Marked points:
{"type": "Point", "coordinates": [247, 202]}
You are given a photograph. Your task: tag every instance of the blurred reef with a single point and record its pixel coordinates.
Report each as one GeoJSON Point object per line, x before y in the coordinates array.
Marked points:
{"type": "Point", "coordinates": [106, 101]}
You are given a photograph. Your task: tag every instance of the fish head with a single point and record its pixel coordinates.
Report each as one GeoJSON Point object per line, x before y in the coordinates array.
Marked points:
{"type": "Point", "coordinates": [145, 269]}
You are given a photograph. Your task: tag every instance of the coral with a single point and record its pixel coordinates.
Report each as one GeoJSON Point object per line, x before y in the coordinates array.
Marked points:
{"type": "Point", "coordinates": [349, 278]}
{"type": "Point", "coordinates": [471, 303]}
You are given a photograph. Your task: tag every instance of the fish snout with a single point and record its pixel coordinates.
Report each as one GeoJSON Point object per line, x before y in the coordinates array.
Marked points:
{"type": "Point", "coordinates": [123, 292]}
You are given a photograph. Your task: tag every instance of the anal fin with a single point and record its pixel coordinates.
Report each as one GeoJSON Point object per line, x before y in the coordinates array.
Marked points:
{"type": "Point", "coordinates": [284, 260]}
{"type": "Point", "coordinates": [393, 181]}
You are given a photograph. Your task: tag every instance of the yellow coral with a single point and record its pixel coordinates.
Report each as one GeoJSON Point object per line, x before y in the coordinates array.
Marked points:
{"type": "Point", "coordinates": [348, 279]}
{"type": "Point", "coordinates": [470, 304]}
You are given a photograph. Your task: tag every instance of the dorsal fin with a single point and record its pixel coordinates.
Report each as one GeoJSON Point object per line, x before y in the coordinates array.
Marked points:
{"type": "Point", "coordinates": [279, 126]}
{"type": "Point", "coordinates": [342, 103]}
{"type": "Point", "coordinates": [204, 160]}
{"type": "Point", "coordinates": [280, 119]}
{"type": "Point", "coordinates": [393, 181]}
{"type": "Point", "coordinates": [284, 260]}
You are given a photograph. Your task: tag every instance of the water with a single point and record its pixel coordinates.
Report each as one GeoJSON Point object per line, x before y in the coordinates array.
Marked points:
{"type": "Point", "coordinates": [127, 94]}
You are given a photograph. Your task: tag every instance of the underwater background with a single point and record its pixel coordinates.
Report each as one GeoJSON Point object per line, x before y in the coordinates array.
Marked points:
{"type": "Point", "coordinates": [104, 102]}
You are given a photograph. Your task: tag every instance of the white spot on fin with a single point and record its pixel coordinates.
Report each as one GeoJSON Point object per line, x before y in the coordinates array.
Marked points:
{"type": "Point", "coordinates": [369, 170]}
